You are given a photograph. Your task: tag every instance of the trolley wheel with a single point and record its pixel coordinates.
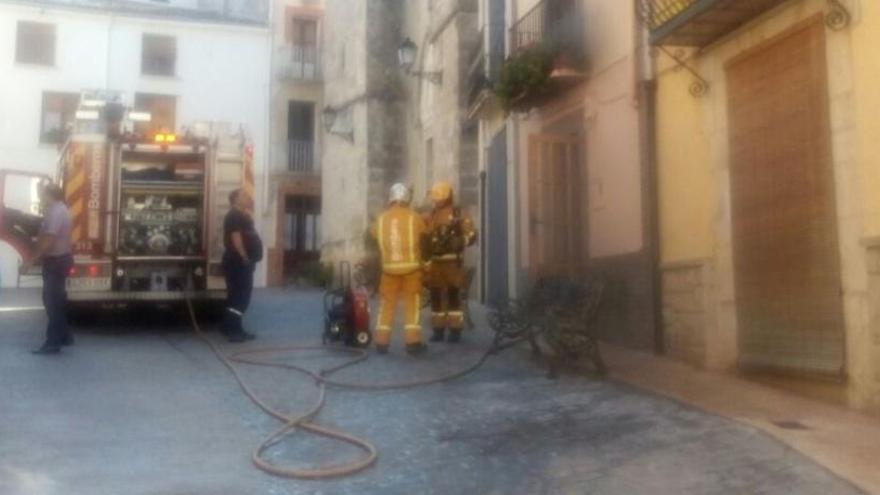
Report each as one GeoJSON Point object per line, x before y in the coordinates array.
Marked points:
{"type": "Point", "coordinates": [363, 339]}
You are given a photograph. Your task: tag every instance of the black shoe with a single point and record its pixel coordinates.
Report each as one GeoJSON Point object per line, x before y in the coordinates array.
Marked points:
{"type": "Point", "coordinates": [416, 349]}
{"type": "Point", "coordinates": [381, 349]}
{"type": "Point", "coordinates": [67, 341]}
{"type": "Point", "coordinates": [47, 350]}
{"type": "Point", "coordinates": [454, 336]}
{"type": "Point", "coordinates": [439, 335]}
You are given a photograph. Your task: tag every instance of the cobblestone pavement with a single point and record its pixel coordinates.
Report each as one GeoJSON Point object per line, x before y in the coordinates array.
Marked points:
{"type": "Point", "coordinates": [139, 406]}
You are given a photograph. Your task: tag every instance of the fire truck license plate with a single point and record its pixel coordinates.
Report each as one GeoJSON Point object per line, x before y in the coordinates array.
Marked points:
{"type": "Point", "coordinates": [86, 283]}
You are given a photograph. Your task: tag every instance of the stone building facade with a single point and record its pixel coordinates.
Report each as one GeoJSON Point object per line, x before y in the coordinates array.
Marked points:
{"type": "Point", "coordinates": [390, 125]}
{"type": "Point", "coordinates": [441, 141]}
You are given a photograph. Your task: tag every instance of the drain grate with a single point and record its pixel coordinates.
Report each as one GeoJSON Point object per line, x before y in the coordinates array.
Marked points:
{"type": "Point", "coordinates": [790, 424]}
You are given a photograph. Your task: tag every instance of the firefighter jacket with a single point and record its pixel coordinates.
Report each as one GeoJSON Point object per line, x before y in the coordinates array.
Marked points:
{"type": "Point", "coordinates": [450, 232]}
{"type": "Point", "coordinates": [399, 231]}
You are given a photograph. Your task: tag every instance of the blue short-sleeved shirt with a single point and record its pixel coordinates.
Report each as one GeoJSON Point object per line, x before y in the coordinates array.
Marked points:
{"type": "Point", "coordinates": [56, 223]}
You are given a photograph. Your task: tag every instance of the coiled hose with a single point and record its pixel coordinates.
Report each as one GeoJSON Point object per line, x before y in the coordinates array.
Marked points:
{"type": "Point", "coordinates": [305, 421]}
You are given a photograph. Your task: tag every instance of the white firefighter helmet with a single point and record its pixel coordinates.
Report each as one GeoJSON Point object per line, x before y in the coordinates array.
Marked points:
{"type": "Point", "coordinates": [399, 194]}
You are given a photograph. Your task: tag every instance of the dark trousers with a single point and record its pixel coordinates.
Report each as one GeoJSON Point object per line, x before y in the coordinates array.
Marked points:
{"type": "Point", "coordinates": [55, 272]}
{"type": "Point", "coordinates": [239, 286]}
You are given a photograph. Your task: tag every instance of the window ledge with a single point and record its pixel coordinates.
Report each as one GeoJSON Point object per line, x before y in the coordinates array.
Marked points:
{"type": "Point", "coordinates": [161, 77]}
{"type": "Point", "coordinates": [35, 65]}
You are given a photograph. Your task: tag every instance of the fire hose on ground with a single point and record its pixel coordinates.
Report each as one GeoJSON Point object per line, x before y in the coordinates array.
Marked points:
{"type": "Point", "coordinates": [305, 421]}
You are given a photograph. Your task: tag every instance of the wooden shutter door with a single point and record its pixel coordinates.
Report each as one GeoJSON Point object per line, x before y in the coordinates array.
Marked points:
{"type": "Point", "coordinates": [785, 244]}
{"type": "Point", "coordinates": [553, 186]}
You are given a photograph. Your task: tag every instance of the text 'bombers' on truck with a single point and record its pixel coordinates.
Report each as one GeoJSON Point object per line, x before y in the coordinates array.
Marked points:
{"type": "Point", "coordinates": [147, 205]}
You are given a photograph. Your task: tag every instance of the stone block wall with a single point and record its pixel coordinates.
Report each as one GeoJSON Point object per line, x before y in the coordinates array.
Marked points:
{"type": "Point", "coordinates": [867, 394]}
{"type": "Point", "coordinates": [344, 162]}
{"type": "Point", "coordinates": [385, 110]}
{"type": "Point", "coordinates": [627, 314]}
{"type": "Point", "coordinates": [687, 314]}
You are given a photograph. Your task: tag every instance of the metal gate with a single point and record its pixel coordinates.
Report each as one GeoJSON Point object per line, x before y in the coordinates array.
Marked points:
{"type": "Point", "coordinates": [495, 230]}
{"type": "Point", "coordinates": [785, 243]}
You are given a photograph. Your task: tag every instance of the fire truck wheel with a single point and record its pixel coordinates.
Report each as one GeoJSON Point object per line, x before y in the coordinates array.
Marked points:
{"type": "Point", "coordinates": [363, 339]}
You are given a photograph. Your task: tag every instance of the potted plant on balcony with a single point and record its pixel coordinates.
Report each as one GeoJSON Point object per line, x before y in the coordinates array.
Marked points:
{"type": "Point", "coordinates": [525, 77]}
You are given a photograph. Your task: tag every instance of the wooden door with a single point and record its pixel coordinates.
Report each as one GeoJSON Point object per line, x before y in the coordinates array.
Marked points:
{"type": "Point", "coordinates": [785, 243]}
{"type": "Point", "coordinates": [554, 231]}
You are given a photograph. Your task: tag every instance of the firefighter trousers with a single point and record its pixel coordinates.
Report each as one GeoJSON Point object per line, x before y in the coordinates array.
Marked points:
{"type": "Point", "coordinates": [408, 289]}
{"type": "Point", "coordinates": [445, 282]}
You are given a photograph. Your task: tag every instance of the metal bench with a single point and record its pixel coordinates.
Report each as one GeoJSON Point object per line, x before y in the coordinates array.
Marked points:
{"type": "Point", "coordinates": [559, 312]}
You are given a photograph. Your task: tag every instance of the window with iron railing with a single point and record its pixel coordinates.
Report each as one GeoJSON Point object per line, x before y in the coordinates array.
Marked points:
{"type": "Point", "coordinates": [300, 156]}
{"type": "Point", "coordinates": [301, 137]}
{"type": "Point", "coordinates": [303, 61]}
{"type": "Point", "coordinates": [559, 24]}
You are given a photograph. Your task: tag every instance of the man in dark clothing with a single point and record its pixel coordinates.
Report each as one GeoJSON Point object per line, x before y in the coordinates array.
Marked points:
{"type": "Point", "coordinates": [54, 252]}
{"type": "Point", "coordinates": [243, 250]}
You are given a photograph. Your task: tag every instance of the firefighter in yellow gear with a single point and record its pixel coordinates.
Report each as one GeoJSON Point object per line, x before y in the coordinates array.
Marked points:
{"type": "Point", "coordinates": [450, 232]}
{"type": "Point", "coordinates": [399, 232]}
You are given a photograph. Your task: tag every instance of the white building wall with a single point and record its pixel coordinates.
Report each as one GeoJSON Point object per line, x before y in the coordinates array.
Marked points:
{"type": "Point", "coordinates": [222, 74]}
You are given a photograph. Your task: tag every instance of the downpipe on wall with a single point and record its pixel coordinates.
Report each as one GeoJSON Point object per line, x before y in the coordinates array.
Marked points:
{"type": "Point", "coordinates": [647, 101]}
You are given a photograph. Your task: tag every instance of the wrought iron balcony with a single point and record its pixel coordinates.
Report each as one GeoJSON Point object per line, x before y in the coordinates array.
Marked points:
{"type": "Point", "coordinates": [299, 63]}
{"type": "Point", "coordinates": [557, 24]}
{"type": "Point", "coordinates": [301, 157]}
{"type": "Point", "coordinates": [547, 55]}
{"type": "Point", "coordinates": [698, 22]}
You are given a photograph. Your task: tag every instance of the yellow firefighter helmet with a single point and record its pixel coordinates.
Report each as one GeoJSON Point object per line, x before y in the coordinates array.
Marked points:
{"type": "Point", "coordinates": [442, 191]}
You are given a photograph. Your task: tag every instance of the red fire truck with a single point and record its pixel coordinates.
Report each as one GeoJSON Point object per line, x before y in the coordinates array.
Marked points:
{"type": "Point", "coordinates": [147, 205]}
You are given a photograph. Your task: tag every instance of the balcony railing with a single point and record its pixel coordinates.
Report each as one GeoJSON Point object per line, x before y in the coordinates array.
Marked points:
{"type": "Point", "coordinates": [300, 63]}
{"type": "Point", "coordinates": [559, 24]}
{"type": "Point", "coordinates": [698, 22]}
{"type": "Point", "coordinates": [301, 156]}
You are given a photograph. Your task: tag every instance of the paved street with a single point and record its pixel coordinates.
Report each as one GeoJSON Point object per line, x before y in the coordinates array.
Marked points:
{"type": "Point", "coordinates": [139, 406]}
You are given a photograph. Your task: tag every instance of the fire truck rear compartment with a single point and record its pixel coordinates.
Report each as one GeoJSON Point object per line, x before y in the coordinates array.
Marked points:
{"type": "Point", "coordinates": [161, 203]}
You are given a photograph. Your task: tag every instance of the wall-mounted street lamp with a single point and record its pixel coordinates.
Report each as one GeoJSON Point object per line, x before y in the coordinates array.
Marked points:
{"type": "Point", "coordinates": [406, 57]}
